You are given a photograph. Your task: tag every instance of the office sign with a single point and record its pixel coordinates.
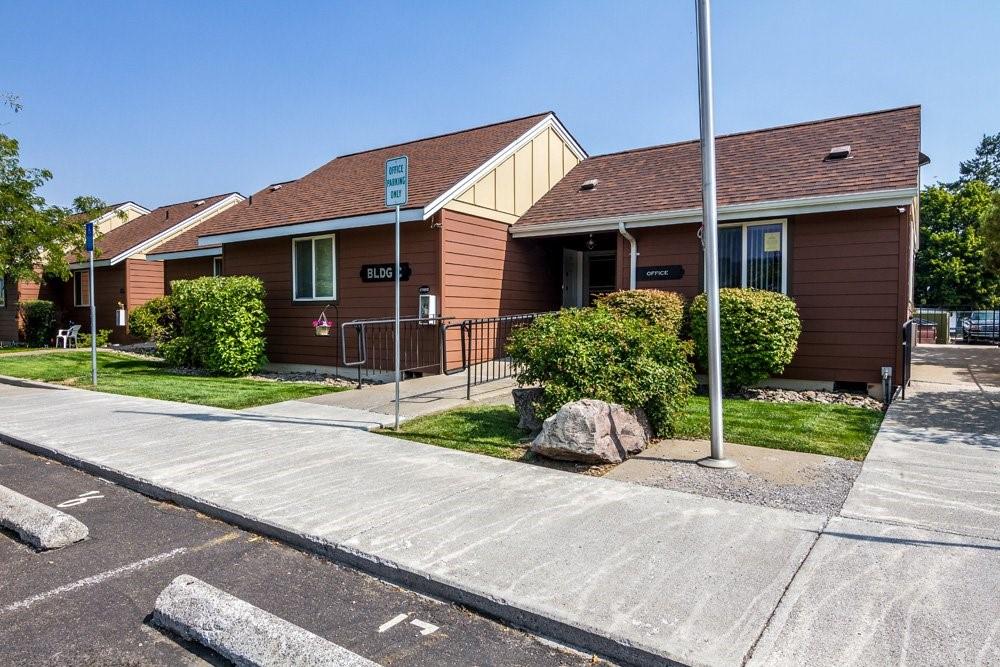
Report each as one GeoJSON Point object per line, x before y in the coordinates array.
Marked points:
{"type": "Point", "coordinates": [90, 236]}
{"type": "Point", "coordinates": [396, 181]}
{"type": "Point", "coordinates": [669, 272]}
{"type": "Point", "coordinates": [382, 273]}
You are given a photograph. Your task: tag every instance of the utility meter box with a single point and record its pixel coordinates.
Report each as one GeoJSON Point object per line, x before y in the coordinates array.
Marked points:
{"type": "Point", "coordinates": [121, 317]}
{"type": "Point", "coordinates": [427, 309]}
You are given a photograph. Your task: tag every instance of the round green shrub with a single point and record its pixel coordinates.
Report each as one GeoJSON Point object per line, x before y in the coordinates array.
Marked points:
{"type": "Point", "coordinates": [156, 320]}
{"type": "Point", "coordinates": [759, 332]}
{"type": "Point", "coordinates": [103, 338]}
{"type": "Point", "coordinates": [221, 324]}
{"type": "Point", "coordinates": [39, 322]}
{"type": "Point", "coordinates": [597, 353]}
{"type": "Point", "coordinates": [665, 309]}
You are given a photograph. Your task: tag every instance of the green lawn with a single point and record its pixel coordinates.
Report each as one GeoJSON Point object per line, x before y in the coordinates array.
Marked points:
{"type": "Point", "coordinates": [835, 430]}
{"type": "Point", "coordinates": [149, 378]}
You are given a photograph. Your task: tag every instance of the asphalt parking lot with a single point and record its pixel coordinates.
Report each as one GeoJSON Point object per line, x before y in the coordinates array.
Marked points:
{"type": "Point", "coordinates": [90, 603]}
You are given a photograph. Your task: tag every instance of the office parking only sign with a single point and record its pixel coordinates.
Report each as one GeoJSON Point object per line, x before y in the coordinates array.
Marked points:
{"type": "Point", "coordinates": [396, 181]}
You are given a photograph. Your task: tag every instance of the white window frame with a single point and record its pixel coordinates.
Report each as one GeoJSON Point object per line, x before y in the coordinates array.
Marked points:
{"type": "Point", "coordinates": [216, 266]}
{"type": "Point", "coordinates": [295, 272]}
{"type": "Point", "coordinates": [84, 295]}
{"type": "Point", "coordinates": [3, 292]}
{"type": "Point", "coordinates": [743, 249]}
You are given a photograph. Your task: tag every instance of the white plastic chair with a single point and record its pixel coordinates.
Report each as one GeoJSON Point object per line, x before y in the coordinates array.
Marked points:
{"type": "Point", "coordinates": [67, 335]}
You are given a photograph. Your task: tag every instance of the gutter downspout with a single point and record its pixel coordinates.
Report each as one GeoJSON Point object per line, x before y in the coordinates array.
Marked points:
{"type": "Point", "coordinates": [633, 253]}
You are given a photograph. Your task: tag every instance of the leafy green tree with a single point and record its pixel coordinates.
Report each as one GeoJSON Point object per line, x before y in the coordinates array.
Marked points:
{"type": "Point", "coordinates": [985, 166]}
{"type": "Point", "coordinates": [35, 235]}
{"type": "Point", "coordinates": [951, 266]}
{"type": "Point", "coordinates": [991, 234]}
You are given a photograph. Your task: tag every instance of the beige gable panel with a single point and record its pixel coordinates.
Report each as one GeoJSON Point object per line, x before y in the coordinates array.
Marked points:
{"type": "Point", "coordinates": [555, 158]}
{"type": "Point", "coordinates": [469, 196]}
{"type": "Point", "coordinates": [569, 160]}
{"type": "Point", "coordinates": [117, 219]}
{"type": "Point", "coordinates": [539, 167]}
{"type": "Point", "coordinates": [522, 181]}
{"type": "Point", "coordinates": [505, 186]}
{"type": "Point", "coordinates": [510, 189]}
{"type": "Point", "coordinates": [486, 191]}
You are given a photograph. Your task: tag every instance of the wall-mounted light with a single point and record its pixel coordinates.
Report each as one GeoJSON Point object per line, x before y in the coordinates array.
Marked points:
{"type": "Point", "coordinates": [590, 242]}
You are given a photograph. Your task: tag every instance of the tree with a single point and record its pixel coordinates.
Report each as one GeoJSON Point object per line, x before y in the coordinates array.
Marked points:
{"type": "Point", "coordinates": [985, 166]}
{"type": "Point", "coordinates": [34, 235]}
{"type": "Point", "coordinates": [991, 234]}
{"type": "Point", "coordinates": [951, 266]}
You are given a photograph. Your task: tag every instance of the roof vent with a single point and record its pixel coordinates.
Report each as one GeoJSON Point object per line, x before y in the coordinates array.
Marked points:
{"type": "Point", "coordinates": [199, 203]}
{"type": "Point", "coordinates": [839, 153]}
{"type": "Point", "coordinates": [589, 185]}
{"type": "Point", "coordinates": [276, 186]}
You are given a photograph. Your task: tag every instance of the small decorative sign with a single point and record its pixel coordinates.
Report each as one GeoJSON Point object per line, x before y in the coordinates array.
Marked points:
{"type": "Point", "coordinates": [89, 233]}
{"type": "Point", "coordinates": [772, 241]}
{"type": "Point", "coordinates": [382, 273]}
{"type": "Point", "coordinates": [669, 272]}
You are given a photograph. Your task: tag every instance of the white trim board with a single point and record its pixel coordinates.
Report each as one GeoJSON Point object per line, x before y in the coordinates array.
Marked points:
{"type": "Point", "coordinates": [549, 122]}
{"type": "Point", "coordinates": [181, 226]}
{"type": "Point", "coordinates": [316, 227]}
{"type": "Point", "coordinates": [214, 251]}
{"type": "Point", "coordinates": [779, 208]}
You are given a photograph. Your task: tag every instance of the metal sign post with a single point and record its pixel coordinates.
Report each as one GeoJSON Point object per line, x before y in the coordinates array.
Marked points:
{"type": "Point", "coordinates": [711, 236]}
{"type": "Point", "coordinates": [93, 307]}
{"type": "Point", "coordinates": [396, 191]}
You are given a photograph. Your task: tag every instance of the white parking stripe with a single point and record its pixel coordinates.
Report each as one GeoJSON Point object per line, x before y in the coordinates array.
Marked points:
{"type": "Point", "coordinates": [95, 579]}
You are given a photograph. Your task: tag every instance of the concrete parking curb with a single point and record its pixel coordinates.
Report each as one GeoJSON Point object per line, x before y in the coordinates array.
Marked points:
{"type": "Point", "coordinates": [39, 525]}
{"type": "Point", "coordinates": [241, 632]}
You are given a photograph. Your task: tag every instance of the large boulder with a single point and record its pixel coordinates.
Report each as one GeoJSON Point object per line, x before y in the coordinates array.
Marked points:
{"type": "Point", "coordinates": [524, 402]}
{"type": "Point", "coordinates": [592, 431]}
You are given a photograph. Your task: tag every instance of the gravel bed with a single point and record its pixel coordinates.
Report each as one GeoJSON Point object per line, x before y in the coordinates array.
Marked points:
{"type": "Point", "coordinates": [812, 396]}
{"type": "Point", "coordinates": [824, 495]}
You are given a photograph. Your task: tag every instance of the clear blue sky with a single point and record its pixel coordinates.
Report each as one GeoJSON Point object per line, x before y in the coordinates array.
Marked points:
{"type": "Point", "coordinates": [167, 101]}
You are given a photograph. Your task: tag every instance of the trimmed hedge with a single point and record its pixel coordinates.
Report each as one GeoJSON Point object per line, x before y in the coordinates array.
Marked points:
{"type": "Point", "coordinates": [39, 322]}
{"type": "Point", "coordinates": [221, 325]}
{"type": "Point", "coordinates": [155, 321]}
{"type": "Point", "coordinates": [655, 306]}
{"type": "Point", "coordinates": [759, 331]}
{"type": "Point", "coordinates": [596, 353]}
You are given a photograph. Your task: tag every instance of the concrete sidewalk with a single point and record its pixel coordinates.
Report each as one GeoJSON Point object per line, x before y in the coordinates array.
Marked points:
{"type": "Point", "coordinates": [640, 574]}
{"type": "Point", "coordinates": [911, 574]}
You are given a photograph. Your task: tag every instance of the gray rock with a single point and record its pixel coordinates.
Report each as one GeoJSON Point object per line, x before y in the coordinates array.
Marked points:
{"type": "Point", "coordinates": [592, 431]}
{"type": "Point", "coordinates": [241, 632]}
{"type": "Point", "coordinates": [39, 525]}
{"type": "Point", "coordinates": [524, 400]}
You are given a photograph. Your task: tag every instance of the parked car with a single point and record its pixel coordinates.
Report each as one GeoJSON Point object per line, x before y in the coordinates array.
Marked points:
{"type": "Point", "coordinates": [981, 325]}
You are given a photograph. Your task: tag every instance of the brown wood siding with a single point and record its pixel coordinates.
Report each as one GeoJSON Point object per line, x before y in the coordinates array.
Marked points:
{"type": "Point", "coordinates": [11, 316]}
{"type": "Point", "coordinates": [185, 269]}
{"type": "Point", "coordinates": [109, 291]}
{"type": "Point", "coordinates": [289, 330]}
{"type": "Point", "coordinates": [659, 246]}
{"type": "Point", "coordinates": [144, 282]}
{"type": "Point", "coordinates": [486, 273]}
{"type": "Point", "coordinates": [848, 274]}
{"type": "Point", "coordinates": [846, 269]}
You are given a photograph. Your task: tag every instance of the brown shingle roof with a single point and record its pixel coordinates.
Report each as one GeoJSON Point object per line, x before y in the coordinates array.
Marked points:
{"type": "Point", "coordinates": [145, 227]}
{"type": "Point", "coordinates": [779, 163]}
{"type": "Point", "coordinates": [353, 184]}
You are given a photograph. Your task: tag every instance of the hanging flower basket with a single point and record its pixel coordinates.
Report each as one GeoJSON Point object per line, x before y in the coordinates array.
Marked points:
{"type": "Point", "coordinates": [322, 325]}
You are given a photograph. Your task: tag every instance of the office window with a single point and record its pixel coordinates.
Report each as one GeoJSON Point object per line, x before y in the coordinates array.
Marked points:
{"type": "Point", "coordinates": [314, 270]}
{"type": "Point", "coordinates": [753, 255]}
{"type": "Point", "coordinates": [81, 288]}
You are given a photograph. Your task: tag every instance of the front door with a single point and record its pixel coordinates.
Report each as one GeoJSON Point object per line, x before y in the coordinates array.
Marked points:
{"type": "Point", "coordinates": [572, 278]}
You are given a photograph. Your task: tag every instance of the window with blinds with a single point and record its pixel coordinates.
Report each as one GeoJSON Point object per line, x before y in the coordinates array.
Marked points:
{"type": "Point", "coordinates": [753, 255]}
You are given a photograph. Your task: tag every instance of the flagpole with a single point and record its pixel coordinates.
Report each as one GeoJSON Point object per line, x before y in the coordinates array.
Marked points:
{"type": "Point", "coordinates": [710, 236]}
